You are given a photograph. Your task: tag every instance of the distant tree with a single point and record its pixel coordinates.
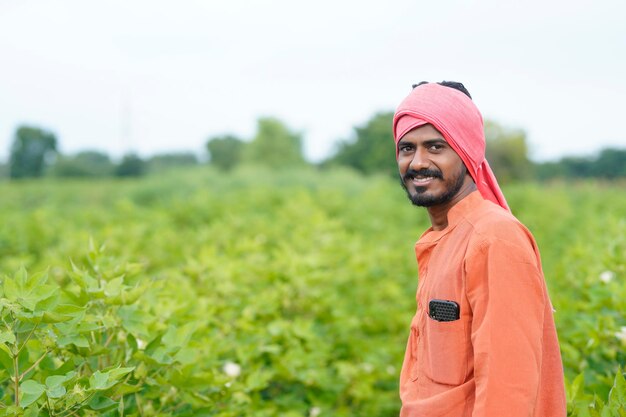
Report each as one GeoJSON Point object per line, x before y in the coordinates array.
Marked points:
{"type": "Point", "coordinates": [610, 164]}
{"type": "Point", "coordinates": [577, 166]}
{"type": "Point", "coordinates": [371, 149]}
{"type": "Point", "coordinates": [83, 164]}
{"type": "Point", "coordinates": [165, 161]}
{"type": "Point", "coordinates": [225, 151]}
{"type": "Point", "coordinates": [30, 152]}
{"type": "Point", "coordinates": [274, 145]}
{"type": "Point", "coordinates": [507, 153]}
{"type": "Point", "coordinates": [131, 165]}
{"type": "Point", "coordinates": [549, 169]}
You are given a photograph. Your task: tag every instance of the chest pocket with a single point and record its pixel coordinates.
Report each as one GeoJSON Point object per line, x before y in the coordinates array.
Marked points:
{"type": "Point", "coordinates": [445, 351]}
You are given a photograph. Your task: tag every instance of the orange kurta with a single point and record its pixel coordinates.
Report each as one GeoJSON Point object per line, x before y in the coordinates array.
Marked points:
{"type": "Point", "coordinates": [501, 358]}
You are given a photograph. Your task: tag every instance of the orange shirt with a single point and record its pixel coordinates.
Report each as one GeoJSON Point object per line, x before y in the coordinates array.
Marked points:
{"type": "Point", "coordinates": [501, 358]}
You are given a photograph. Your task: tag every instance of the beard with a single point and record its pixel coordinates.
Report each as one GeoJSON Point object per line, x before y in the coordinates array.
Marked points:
{"type": "Point", "coordinates": [423, 199]}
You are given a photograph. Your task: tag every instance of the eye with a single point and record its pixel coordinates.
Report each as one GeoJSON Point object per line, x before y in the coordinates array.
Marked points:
{"type": "Point", "coordinates": [405, 147]}
{"type": "Point", "coordinates": [436, 147]}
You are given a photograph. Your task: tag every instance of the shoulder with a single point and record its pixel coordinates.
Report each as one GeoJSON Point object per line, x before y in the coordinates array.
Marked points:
{"type": "Point", "coordinates": [495, 229]}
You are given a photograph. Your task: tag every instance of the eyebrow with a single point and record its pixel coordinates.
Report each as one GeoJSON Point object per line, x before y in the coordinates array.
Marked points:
{"type": "Point", "coordinates": [437, 141]}
{"type": "Point", "coordinates": [428, 142]}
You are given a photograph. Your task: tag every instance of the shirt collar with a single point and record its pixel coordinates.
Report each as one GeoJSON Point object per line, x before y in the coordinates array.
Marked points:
{"type": "Point", "coordinates": [455, 214]}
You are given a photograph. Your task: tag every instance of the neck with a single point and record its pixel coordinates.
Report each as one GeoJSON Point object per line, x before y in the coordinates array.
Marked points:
{"type": "Point", "coordinates": [439, 214]}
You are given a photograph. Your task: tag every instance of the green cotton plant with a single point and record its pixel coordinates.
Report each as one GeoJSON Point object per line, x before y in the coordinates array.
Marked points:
{"type": "Point", "coordinates": [581, 404]}
{"type": "Point", "coordinates": [76, 348]}
{"type": "Point", "coordinates": [289, 294]}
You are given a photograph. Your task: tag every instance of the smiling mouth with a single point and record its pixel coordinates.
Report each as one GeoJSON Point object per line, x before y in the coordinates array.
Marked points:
{"type": "Point", "coordinates": [421, 180]}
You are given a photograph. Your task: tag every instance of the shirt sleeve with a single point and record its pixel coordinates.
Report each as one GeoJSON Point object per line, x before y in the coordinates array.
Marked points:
{"type": "Point", "coordinates": [505, 290]}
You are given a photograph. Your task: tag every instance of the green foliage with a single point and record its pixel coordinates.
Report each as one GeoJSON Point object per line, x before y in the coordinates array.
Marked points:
{"type": "Point", "coordinates": [83, 164]}
{"type": "Point", "coordinates": [225, 151]}
{"type": "Point", "coordinates": [274, 146]}
{"type": "Point", "coordinates": [372, 148]}
{"type": "Point", "coordinates": [581, 404]}
{"type": "Point", "coordinates": [162, 162]}
{"type": "Point", "coordinates": [218, 296]}
{"type": "Point", "coordinates": [507, 153]}
{"type": "Point", "coordinates": [131, 165]}
{"type": "Point", "coordinates": [53, 338]}
{"type": "Point", "coordinates": [609, 164]}
{"type": "Point", "coordinates": [97, 164]}
{"type": "Point", "coordinates": [30, 150]}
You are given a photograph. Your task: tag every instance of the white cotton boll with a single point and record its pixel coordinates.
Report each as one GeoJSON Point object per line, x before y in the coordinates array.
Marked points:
{"type": "Point", "coordinates": [141, 344]}
{"type": "Point", "coordinates": [607, 276]}
{"type": "Point", "coordinates": [315, 411]}
{"type": "Point", "coordinates": [232, 369]}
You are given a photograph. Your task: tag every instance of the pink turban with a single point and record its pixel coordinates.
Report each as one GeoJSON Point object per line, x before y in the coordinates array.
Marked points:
{"type": "Point", "coordinates": [457, 118]}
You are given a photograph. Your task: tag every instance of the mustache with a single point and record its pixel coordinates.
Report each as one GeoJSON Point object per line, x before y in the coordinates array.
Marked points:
{"type": "Point", "coordinates": [411, 173]}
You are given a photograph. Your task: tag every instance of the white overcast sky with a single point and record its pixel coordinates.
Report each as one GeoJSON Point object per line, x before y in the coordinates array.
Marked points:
{"type": "Point", "coordinates": [158, 76]}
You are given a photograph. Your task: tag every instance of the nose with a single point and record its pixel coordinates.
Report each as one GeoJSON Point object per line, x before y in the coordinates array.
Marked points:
{"type": "Point", "coordinates": [420, 160]}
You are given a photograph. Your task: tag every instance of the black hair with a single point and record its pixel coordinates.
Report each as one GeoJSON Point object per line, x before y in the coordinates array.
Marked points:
{"type": "Point", "coordinates": [451, 84]}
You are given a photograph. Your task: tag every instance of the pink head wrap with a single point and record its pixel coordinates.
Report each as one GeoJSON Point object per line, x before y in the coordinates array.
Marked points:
{"type": "Point", "coordinates": [456, 116]}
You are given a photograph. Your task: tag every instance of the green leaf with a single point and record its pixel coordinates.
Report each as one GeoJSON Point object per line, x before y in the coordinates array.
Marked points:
{"type": "Point", "coordinates": [186, 356]}
{"type": "Point", "coordinates": [118, 373]}
{"type": "Point", "coordinates": [56, 392]}
{"type": "Point", "coordinates": [30, 392]}
{"type": "Point", "coordinates": [597, 402]}
{"type": "Point", "coordinates": [98, 380]}
{"type": "Point", "coordinates": [606, 412]}
{"type": "Point", "coordinates": [48, 296]}
{"type": "Point", "coordinates": [55, 387]}
{"type": "Point", "coordinates": [10, 289]}
{"type": "Point", "coordinates": [55, 381]}
{"type": "Point", "coordinates": [576, 386]}
{"type": "Point", "coordinates": [160, 355]}
{"type": "Point", "coordinates": [85, 282]}
{"type": "Point", "coordinates": [114, 287]}
{"type": "Point", "coordinates": [101, 403]}
{"type": "Point", "coordinates": [6, 357]}
{"type": "Point", "coordinates": [63, 313]}
{"type": "Point", "coordinates": [592, 412]}
{"type": "Point", "coordinates": [124, 389]}
{"type": "Point", "coordinates": [258, 380]}
{"type": "Point", "coordinates": [20, 277]}
{"type": "Point", "coordinates": [32, 411]}
{"type": "Point", "coordinates": [105, 380]}
{"type": "Point", "coordinates": [28, 291]}
{"type": "Point", "coordinates": [176, 338]}
{"type": "Point", "coordinates": [36, 280]}
{"type": "Point", "coordinates": [134, 320]}
{"type": "Point", "coordinates": [7, 336]}
{"type": "Point", "coordinates": [120, 407]}
{"type": "Point", "coordinates": [617, 395]}
{"type": "Point", "coordinates": [75, 339]}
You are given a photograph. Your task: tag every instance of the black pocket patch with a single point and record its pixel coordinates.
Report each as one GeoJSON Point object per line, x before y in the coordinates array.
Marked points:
{"type": "Point", "coordinates": [443, 310]}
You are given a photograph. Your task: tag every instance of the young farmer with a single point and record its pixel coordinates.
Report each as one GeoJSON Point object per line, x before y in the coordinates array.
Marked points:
{"type": "Point", "coordinates": [483, 341]}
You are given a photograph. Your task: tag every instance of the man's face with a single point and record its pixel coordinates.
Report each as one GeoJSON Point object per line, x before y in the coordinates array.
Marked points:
{"type": "Point", "coordinates": [431, 172]}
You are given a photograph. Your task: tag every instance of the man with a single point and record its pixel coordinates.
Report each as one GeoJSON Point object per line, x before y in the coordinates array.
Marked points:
{"type": "Point", "coordinates": [483, 341]}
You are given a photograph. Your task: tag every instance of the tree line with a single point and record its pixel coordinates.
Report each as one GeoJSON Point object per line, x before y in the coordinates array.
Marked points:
{"type": "Point", "coordinates": [34, 153]}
